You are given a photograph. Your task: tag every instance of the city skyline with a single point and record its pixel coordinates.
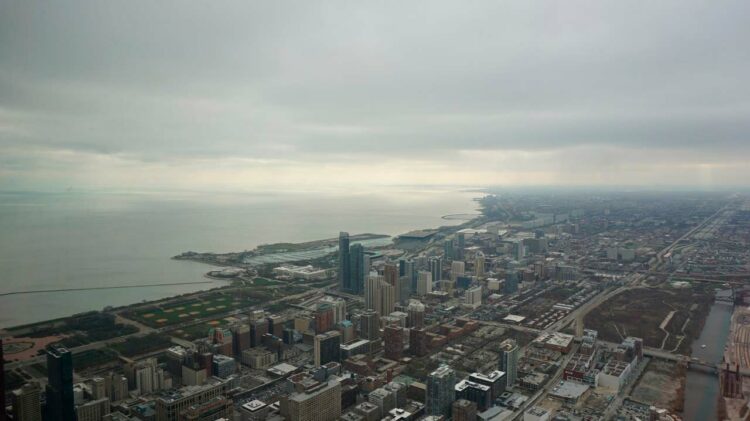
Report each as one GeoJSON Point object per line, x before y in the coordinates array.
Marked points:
{"type": "Point", "coordinates": [247, 96]}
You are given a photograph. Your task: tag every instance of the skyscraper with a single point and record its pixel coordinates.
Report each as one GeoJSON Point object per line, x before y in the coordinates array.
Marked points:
{"type": "Point", "coordinates": [371, 290]}
{"type": "Point", "coordinates": [403, 290]}
{"type": "Point", "coordinates": [464, 410]}
{"type": "Point", "coordinates": [60, 403]}
{"type": "Point", "coordinates": [461, 239]}
{"type": "Point", "coordinates": [448, 250]}
{"type": "Point", "coordinates": [410, 271]}
{"type": "Point", "coordinates": [327, 348]}
{"type": "Point", "coordinates": [385, 298]}
{"type": "Point", "coordinates": [390, 273]}
{"type": "Point", "coordinates": [509, 360]}
{"type": "Point", "coordinates": [369, 325]}
{"type": "Point", "coordinates": [479, 266]}
{"type": "Point", "coordinates": [394, 342]}
{"type": "Point", "coordinates": [424, 283]}
{"type": "Point", "coordinates": [457, 269]}
{"type": "Point", "coordinates": [436, 268]}
{"type": "Point", "coordinates": [26, 403]}
{"type": "Point", "coordinates": [441, 391]}
{"type": "Point", "coordinates": [415, 310]}
{"type": "Point", "coordinates": [357, 269]}
{"type": "Point", "coordinates": [344, 262]}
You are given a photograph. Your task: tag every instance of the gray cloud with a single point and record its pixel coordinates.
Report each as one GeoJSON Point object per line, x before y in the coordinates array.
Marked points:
{"type": "Point", "coordinates": [338, 82]}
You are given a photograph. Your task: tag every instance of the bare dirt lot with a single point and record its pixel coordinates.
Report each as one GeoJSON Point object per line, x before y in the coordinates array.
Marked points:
{"type": "Point", "coordinates": [660, 385]}
{"type": "Point", "coordinates": [641, 312]}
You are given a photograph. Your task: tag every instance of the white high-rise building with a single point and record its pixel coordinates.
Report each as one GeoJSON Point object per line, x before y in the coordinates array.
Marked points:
{"type": "Point", "coordinates": [479, 266]}
{"type": "Point", "coordinates": [458, 268]}
{"type": "Point", "coordinates": [385, 298]}
{"type": "Point", "coordinates": [371, 289]}
{"type": "Point", "coordinates": [424, 283]}
{"type": "Point", "coordinates": [473, 297]}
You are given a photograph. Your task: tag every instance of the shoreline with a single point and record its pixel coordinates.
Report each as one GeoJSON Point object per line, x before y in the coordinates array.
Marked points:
{"type": "Point", "coordinates": [183, 257]}
{"type": "Point", "coordinates": [41, 291]}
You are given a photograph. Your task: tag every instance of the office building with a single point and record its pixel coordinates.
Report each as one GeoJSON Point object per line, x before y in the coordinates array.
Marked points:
{"type": "Point", "coordinates": [254, 410]}
{"type": "Point", "coordinates": [258, 328]}
{"type": "Point", "coordinates": [394, 342]}
{"type": "Point", "coordinates": [385, 298]}
{"type": "Point", "coordinates": [418, 342]}
{"type": "Point", "coordinates": [93, 410]}
{"type": "Point", "coordinates": [258, 358]}
{"type": "Point", "coordinates": [495, 380]}
{"type": "Point", "coordinates": [214, 409]}
{"type": "Point", "coordinates": [440, 391]}
{"type": "Point", "coordinates": [383, 399]}
{"type": "Point", "coordinates": [424, 283]}
{"type": "Point", "coordinates": [371, 290]}
{"type": "Point", "coordinates": [26, 403]}
{"type": "Point", "coordinates": [461, 245]}
{"type": "Point", "coordinates": [390, 273]}
{"type": "Point", "coordinates": [448, 250]}
{"type": "Point", "coordinates": [474, 392]}
{"type": "Point", "coordinates": [344, 262]}
{"type": "Point", "coordinates": [147, 376]}
{"type": "Point", "coordinates": [509, 353]}
{"type": "Point", "coordinates": [314, 401]}
{"type": "Point", "coordinates": [346, 329]}
{"type": "Point", "coordinates": [171, 405]}
{"type": "Point", "coordinates": [436, 268]}
{"type": "Point", "coordinates": [369, 325]}
{"type": "Point", "coordinates": [415, 314]}
{"type": "Point", "coordinates": [327, 348]}
{"type": "Point", "coordinates": [176, 356]}
{"type": "Point", "coordinates": [511, 282]}
{"type": "Point", "coordinates": [357, 268]}
{"type": "Point", "coordinates": [59, 391]}
{"type": "Point", "coordinates": [241, 338]}
{"type": "Point", "coordinates": [410, 271]}
{"type": "Point", "coordinates": [222, 340]}
{"type": "Point", "coordinates": [223, 366]}
{"type": "Point", "coordinates": [473, 297]}
{"type": "Point", "coordinates": [324, 318]}
{"type": "Point", "coordinates": [338, 305]}
{"type": "Point", "coordinates": [458, 268]}
{"type": "Point", "coordinates": [479, 266]}
{"type": "Point", "coordinates": [403, 289]}
{"type": "Point", "coordinates": [464, 410]}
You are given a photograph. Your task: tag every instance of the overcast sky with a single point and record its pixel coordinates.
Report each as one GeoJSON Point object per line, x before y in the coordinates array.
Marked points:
{"type": "Point", "coordinates": [289, 95]}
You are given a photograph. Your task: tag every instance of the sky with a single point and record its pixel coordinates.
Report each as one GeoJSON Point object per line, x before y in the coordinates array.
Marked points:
{"type": "Point", "coordinates": [187, 95]}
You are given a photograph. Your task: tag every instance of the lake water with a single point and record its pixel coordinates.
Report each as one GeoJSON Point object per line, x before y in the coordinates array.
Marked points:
{"type": "Point", "coordinates": [702, 389]}
{"type": "Point", "coordinates": [75, 240]}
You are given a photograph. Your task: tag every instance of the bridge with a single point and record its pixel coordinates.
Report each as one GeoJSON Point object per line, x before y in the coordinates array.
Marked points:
{"type": "Point", "coordinates": [690, 363]}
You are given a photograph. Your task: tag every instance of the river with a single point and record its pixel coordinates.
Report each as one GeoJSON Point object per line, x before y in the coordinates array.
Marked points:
{"type": "Point", "coordinates": [702, 389]}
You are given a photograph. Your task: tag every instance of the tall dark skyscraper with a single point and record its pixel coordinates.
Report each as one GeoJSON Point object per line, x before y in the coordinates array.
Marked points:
{"type": "Point", "coordinates": [344, 263]}
{"type": "Point", "coordinates": [436, 268]}
{"type": "Point", "coordinates": [357, 269]}
{"type": "Point", "coordinates": [390, 273]}
{"type": "Point", "coordinates": [60, 404]}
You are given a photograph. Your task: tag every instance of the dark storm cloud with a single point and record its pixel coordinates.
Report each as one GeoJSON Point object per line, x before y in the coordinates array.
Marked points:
{"type": "Point", "coordinates": [338, 81]}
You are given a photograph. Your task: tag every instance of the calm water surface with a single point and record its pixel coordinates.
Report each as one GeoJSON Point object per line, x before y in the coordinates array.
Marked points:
{"type": "Point", "coordinates": [75, 240]}
{"type": "Point", "coordinates": [702, 389]}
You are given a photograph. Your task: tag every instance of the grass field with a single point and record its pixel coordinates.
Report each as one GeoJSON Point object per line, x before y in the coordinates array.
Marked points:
{"type": "Point", "coordinates": [183, 311]}
{"type": "Point", "coordinates": [264, 282]}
